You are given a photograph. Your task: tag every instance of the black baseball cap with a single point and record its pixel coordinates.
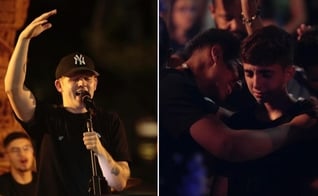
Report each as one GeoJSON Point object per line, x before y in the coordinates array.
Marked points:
{"type": "Point", "coordinates": [75, 62]}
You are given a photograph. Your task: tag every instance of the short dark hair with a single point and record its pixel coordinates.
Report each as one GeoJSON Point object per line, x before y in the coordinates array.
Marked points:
{"type": "Point", "coordinates": [268, 45]}
{"type": "Point", "coordinates": [307, 49]}
{"type": "Point", "coordinates": [229, 43]}
{"type": "Point", "coordinates": [13, 136]}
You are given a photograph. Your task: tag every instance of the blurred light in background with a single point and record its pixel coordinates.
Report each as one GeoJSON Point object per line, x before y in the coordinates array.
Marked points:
{"type": "Point", "coordinates": [146, 130]}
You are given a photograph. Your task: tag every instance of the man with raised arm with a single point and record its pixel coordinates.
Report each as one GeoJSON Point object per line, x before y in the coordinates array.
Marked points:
{"type": "Point", "coordinates": [64, 166]}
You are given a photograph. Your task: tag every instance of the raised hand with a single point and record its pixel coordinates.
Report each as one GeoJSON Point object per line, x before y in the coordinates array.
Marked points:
{"type": "Point", "coordinates": [38, 25]}
{"type": "Point", "coordinates": [249, 11]}
{"type": "Point", "coordinates": [302, 29]}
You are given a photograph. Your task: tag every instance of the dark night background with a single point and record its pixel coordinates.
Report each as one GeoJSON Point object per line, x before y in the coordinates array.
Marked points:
{"type": "Point", "coordinates": [121, 38]}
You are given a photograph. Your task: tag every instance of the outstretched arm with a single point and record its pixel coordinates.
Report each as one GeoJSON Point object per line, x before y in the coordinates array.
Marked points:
{"type": "Point", "coordinates": [21, 98]}
{"type": "Point", "coordinates": [115, 172]}
{"type": "Point", "coordinates": [242, 145]}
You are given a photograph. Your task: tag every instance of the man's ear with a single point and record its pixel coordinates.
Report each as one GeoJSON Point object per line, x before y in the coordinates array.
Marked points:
{"type": "Point", "coordinates": [57, 84]}
{"type": "Point", "coordinates": [216, 53]}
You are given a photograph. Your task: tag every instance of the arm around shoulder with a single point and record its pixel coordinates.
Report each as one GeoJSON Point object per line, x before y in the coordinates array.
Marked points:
{"type": "Point", "coordinates": [237, 145]}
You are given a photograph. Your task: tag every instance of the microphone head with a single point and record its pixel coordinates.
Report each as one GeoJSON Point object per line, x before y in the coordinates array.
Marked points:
{"type": "Point", "coordinates": [86, 99]}
{"type": "Point", "coordinates": [83, 94]}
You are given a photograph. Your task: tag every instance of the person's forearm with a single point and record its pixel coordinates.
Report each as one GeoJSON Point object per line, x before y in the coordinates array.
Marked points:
{"type": "Point", "coordinates": [249, 10]}
{"type": "Point", "coordinates": [21, 99]}
{"type": "Point", "coordinates": [242, 145]}
{"type": "Point", "coordinates": [294, 23]}
{"type": "Point", "coordinates": [236, 145]}
{"type": "Point", "coordinates": [298, 15]}
{"type": "Point", "coordinates": [115, 173]}
{"type": "Point", "coordinates": [16, 71]}
{"type": "Point", "coordinates": [253, 144]}
{"type": "Point", "coordinates": [249, 145]}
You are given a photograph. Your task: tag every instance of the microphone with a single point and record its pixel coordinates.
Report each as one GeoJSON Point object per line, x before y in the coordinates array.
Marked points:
{"type": "Point", "coordinates": [87, 100]}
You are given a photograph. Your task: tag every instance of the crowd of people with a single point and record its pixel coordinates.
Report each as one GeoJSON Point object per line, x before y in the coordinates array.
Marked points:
{"type": "Point", "coordinates": [237, 99]}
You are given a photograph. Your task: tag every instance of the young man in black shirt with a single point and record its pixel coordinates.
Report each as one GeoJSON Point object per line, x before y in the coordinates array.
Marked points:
{"type": "Point", "coordinates": [190, 126]}
{"type": "Point", "coordinates": [267, 57]}
{"type": "Point", "coordinates": [64, 166]}
{"type": "Point", "coordinates": [21, 180]}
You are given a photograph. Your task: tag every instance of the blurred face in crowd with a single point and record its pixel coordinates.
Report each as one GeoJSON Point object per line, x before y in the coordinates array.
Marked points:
{"type": "Point", "coordinates": [267, 83]}
{"type": "Point", "coordinates": [227, 15]}
{"type": "Point", "coordinates": [184, 14]}
{"type": "Point", "coordinates": [20, 155]}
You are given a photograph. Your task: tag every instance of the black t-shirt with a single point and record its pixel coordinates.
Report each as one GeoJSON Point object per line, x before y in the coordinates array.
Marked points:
{"type": "Point", "coordinates": [9, 187]}
{"type": "Point", "coordinates": [64, 166]}
{"type": "Point", "coordinates": [183, 162]}
{"type": "Point", "coordinates": [287, 171]}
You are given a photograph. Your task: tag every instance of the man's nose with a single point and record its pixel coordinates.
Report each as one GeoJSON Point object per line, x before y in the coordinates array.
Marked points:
{"type": "Point", "coordinates": [257, 82]}
{"type": "Point", "coordinates": [81, 81]}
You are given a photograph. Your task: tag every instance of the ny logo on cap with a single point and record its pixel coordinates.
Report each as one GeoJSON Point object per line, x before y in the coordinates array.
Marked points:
{"type": "Point", "coordinates": [79, 60]}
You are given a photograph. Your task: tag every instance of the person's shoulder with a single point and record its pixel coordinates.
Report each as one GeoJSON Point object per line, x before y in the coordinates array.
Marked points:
{"type": "Point", "coordinates": [171, 74]}
{"type": "Point", "coordinates": [5, 175]}
{"type": "Point", "coordinates": [5, 184]}
{"type": "Point", "coordinates": [50, 111]}
{"type": "Point", "coordinates": [34, 177]}
{"type": "Point", "coordinates": [178, 83]}
{"type": "Point", "coordinates": [108, 120]}
{"type": "Point", "coordinates": [4, 178]}
{"type": "Point", "coordinates": [302, 106]}
{"type": "Point", "coordinates": [34, 174]}
{"type": "Point", "coordinates": [47, 107]}
{"type": "Point", "coordinates": [107, 114]}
